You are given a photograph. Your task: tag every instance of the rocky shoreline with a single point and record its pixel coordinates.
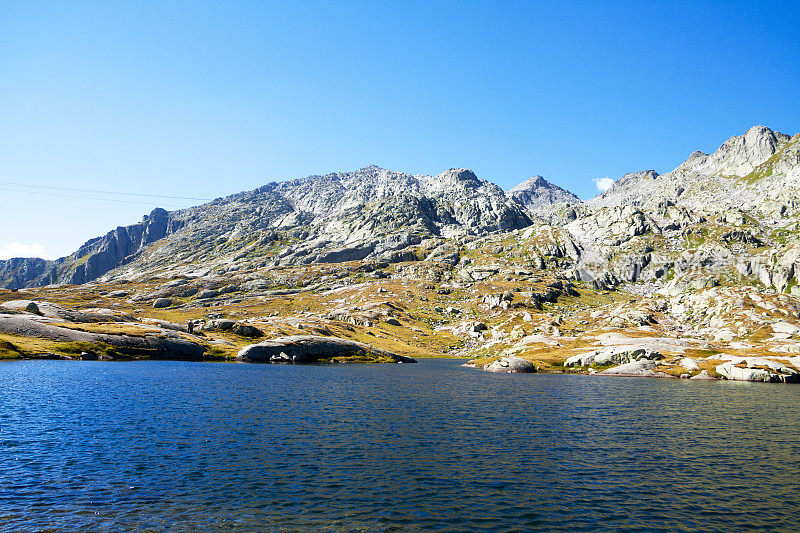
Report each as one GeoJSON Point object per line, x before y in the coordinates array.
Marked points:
{"type": "Point", "coordinates": [649, 369]}
{"type": "Point", "coordinates": [41, 329]}
{"type": "Point", "coordinates": [637, 357]}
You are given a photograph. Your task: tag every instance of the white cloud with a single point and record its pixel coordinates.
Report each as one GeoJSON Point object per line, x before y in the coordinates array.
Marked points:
{"type": "Point", "coordinates": [18, 249]}
{"type": "Point", "coordinates": [603, 184]}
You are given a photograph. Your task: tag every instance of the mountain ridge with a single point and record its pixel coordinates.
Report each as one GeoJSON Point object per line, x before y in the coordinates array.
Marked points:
{"type": "Point", "coordinates": [375, 213]}
{"type": "Point", "coordinates": [691, 273]}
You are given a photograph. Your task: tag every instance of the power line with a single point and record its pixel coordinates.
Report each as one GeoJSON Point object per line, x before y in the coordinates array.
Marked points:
{"type": "Point", "coordinates": [75, 189]}
{"type": "Point", "coordinates": [62, 195]}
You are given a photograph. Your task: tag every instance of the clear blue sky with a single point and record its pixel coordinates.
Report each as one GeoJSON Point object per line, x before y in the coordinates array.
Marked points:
{"type": "Point", "coordinates": [204, 99]}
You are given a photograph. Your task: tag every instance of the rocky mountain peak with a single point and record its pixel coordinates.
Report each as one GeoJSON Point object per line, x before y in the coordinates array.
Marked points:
{"type": "Point", "coordinates": [631, 179]}
{"type": "Point", "coordinates": [534, 182]}
{"type": "Point", "coordinates": [733, 175]}
{"type": "Point", "coordinates": [541, 197]}
{"type": "Point", "coordinates": [458, 174]}
{"type": "Point", "coordinates": [741, 154]}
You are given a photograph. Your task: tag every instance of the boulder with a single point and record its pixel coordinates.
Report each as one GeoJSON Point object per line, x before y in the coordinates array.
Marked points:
{"type": "Point", "coordinates": [186, 292]}
{"type": "Point", "coordinates": [117, 294]}
{"type": "Point", "coordinates": [446, 253]}
{"type": "Point", "coordinates": [734, 373]}
{"type": "Point", "coordinates": [222, 324]}
{"type": "Point", "coordinates": [511, 365]}
{"type": "Point", "coordinates": [689, 364]}
{"type": "Point", "coordinates": [246, 330]}
{"type": "Point", "coordinates": [785, 327]}
{"type": "Point", "coordinates": [208, 293]}
{"type": "Point", "coordinates": [311, 348]}
{"type": "Point", "coordinates": [160, 303]}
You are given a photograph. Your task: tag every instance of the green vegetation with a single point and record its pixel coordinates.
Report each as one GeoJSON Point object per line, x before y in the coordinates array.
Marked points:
{"type": "Point", "coordinates": [9, 350]}
{"type": "Point", "coordinates": [94, 348]}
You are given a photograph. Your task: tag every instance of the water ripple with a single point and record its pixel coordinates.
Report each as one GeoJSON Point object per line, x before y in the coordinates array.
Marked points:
{"type": "Point", "coordinates": [176, 446]}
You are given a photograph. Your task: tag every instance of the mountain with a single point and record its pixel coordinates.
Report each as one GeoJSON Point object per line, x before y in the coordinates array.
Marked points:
{"type": "Point", "coordinates": [96, 257]}
{"type": "Point", "coordinates": [751, 171]}
{"type": "Point", "coordinates": [378, 214]}
{"type": "Point", "coordinates": [693, 272]}
{"type": "Point", "coordinates": [541, 198]}
{"type": "Point", "coordinates": [371, 213]}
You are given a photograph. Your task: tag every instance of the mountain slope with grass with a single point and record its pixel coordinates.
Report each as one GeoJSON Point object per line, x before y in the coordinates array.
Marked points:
{"type": "Point", "coordinates": [692, 272]}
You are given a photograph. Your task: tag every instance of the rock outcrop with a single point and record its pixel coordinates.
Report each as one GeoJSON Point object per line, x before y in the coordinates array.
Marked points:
{"type": "Point", "coordinates": [511, 365]}
{"type": "Point", "coordinates": [312, 349]}
{"type": "Point", "coordinates": [643, 368]}
{"type": "Point", "coordinates": [159, 344]}
{"type": "Point", "coordinates": [95, 258]}
{"type": "Point", "coordinates": [613, 355]}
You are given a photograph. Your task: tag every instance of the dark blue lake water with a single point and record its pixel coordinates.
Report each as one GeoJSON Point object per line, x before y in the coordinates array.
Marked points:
{"type": "Point", "coordinates": [175, 446]}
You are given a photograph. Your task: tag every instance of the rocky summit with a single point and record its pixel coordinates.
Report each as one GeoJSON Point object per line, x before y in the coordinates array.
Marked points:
{"type": "Point", "coordinates": [692, 273]}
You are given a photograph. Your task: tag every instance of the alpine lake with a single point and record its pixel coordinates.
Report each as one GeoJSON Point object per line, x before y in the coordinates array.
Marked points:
{"type": "Point", "coordinates": [432, 446]}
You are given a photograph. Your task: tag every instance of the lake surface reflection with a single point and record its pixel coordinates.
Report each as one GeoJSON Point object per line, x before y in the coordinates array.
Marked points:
{"type": "Point", "coordinates": [177, 446]}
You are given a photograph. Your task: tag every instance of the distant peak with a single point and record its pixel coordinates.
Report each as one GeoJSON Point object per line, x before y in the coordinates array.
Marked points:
{"type": "Point", "coordinates": [534, 182]}
{"type": "Point", "coordinates": [758, 130]}
{"type": "Point", "coordinates": [460, 174]}
{"type": "Point", "coordinates": [759, 135]}
{"type": "Point", "coordinates": [537, 194]}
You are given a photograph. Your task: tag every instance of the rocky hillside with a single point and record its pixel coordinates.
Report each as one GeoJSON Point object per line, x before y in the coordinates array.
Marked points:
{"type": "Point", "coordinates": [370, 213]}
{"type": "Point", "coordinates": [691, 272]}
{"type": "Point", "coordinates": [759, 170]}
{"type": "Point", "coordinates": [725, 217]}
{"type": "Point", "coordinates": [729, 218]}
{"type": "Point", "coordinates": [96, 257]}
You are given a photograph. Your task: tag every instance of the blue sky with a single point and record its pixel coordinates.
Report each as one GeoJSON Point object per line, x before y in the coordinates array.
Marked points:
{"type": "Point", "coordinates": [203, 99]}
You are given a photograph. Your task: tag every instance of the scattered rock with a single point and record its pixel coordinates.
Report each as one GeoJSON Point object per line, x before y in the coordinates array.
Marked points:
{"type": "Point", "coordinates": [117, 294]}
